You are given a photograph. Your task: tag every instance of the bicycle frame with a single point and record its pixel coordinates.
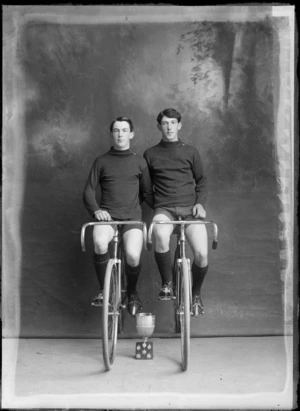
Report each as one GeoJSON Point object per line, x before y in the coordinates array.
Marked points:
{"type": "Point", "coordinates": [183, 223]}
{"type": "Point", "coordinates": [113, 223]}
{"type": "Point", "coordinates": [183, 280]}
{"type": "Point", "coordinates": [117, 258]}
{"type": "Point", "coordinates": [181, 236]}
{"type": "Point", "coordinates": [113, 305]}
{"type": "Point", "coordinates": [116, 238]}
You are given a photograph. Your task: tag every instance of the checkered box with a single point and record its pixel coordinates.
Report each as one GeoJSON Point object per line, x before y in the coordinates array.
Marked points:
{"type": "Point", "coordinates": [144, 350]}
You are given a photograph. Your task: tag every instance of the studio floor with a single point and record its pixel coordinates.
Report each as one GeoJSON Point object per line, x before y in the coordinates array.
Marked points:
{"type": "Point", "coordinates": [224, 373]}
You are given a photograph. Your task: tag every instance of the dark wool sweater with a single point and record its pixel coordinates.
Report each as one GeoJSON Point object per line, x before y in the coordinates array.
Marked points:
{"type": "Point", "coordinates": [177, 174]}
{"type": "Point", "coordinates": [124, 182]}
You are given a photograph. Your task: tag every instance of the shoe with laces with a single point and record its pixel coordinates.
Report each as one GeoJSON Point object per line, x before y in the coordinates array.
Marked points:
{"type": "Point", "coordinates": [134, 304]}
{"type": "Point", "coordinates": [197, 306]}
{"type": "Point", "coordinates": [98, 300]}
{"type": "Point", "coordinates": [166, 293]}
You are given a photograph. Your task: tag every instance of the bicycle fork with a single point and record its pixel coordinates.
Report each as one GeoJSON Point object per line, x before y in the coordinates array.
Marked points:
{"type": "Point", "coordinates": [181, 243]}
{"type": "Point", "coordinates": [118, 262]}
{"type": "Point", "coordinates": [179, 261]}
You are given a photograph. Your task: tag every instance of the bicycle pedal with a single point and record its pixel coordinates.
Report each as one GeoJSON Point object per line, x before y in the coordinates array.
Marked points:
{"type": "Point", "coordinates": [198, 316]}
{"type": "Point", "coordinates": [135, 311]}
{"type": "Point", "coordinates": [134, 308]}
{"type": "Point", "coordinates": [99, 305]}
{"type": "Point", "coordinates": [198, 313]}
{"type": "Point", "coordinates": [166, 298]}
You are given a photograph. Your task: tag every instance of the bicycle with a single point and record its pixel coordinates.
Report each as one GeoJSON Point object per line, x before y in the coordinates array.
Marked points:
{"type": "Point", "coordinates": [114, 292]}
{"type": "Point", "coordinates": [182, 281]}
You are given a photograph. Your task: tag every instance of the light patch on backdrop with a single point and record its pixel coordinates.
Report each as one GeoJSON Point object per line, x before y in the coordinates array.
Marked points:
{"type": "Point", "coordinates": [57, 143]}
{"type": "Point", "coordinates": [173, 84]}
{"type": "Point", "coordinates": [207, 93]}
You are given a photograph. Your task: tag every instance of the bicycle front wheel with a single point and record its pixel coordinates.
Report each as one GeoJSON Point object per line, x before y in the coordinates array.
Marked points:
{"type": "Point", "coordinates": [110, 313]}
{"type": "Point", "coordinates": [177, 288]}
{"type": "Point", "coordinates": [184, 313]}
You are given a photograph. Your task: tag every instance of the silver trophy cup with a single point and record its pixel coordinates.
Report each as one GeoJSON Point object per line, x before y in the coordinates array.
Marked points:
{"type": "Point", "coordinates": [145, 324]}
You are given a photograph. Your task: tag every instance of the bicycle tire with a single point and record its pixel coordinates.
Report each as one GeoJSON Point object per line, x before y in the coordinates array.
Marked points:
{"type": "Point", "coordinates": [121, 319]}
{"type": "Point", "coordinates": [185, 314]}
{"type": "Point", "coordinates": [177, 289]}
{"type": "Point", "coordinates": [110, 314]}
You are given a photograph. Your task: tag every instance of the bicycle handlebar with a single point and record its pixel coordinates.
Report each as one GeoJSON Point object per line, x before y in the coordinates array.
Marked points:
{"type": "Point", "coordinates": [93, 223]}
{"type": "Point", "coordinates": [184, 222]}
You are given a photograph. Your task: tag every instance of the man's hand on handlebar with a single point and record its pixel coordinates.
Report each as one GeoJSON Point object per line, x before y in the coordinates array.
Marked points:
{"type": "Point", "coordinates": [102, 215]}
{"type": "Point", "coordinates": [199, 211]}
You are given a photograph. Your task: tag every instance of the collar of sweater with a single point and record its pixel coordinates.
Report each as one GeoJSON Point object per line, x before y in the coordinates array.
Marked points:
{"type": "Point", "coordinates": [171, 144]}
{"type": "Point", "coordinates": [121, 153]}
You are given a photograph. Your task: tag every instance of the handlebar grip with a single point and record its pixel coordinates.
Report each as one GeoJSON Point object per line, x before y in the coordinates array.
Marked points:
{"type": "Point", "coordinates": [214, 244]}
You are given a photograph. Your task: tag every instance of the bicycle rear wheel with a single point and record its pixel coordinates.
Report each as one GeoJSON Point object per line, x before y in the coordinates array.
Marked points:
{"type": "Point", "coordinates": [110, 313]}
{"type": "Point", "coordinates": [184, 313]}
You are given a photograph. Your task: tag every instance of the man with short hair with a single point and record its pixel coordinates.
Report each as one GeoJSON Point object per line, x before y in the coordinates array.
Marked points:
{"type": "Point", "coordinates": [124, 181]}
{"type": "Point", "coordinates": [180, 190]}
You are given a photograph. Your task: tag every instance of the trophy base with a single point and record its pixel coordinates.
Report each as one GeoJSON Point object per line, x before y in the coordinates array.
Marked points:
{"type": "Point", "coordinates": [144, 350]}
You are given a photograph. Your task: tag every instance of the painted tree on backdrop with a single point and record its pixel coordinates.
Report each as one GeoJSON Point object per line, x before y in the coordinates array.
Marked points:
{"type": "Point", "coordinates": [247, 54]}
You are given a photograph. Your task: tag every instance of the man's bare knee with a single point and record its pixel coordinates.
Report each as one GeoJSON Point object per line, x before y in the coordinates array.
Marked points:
{"type": "Point", "coordinates": [201, 259]}
{"type": "Point", "coordinates": [162, 240]}
{"type": "Point", "coordinates": [100, 245]}
{"type": "Point", "coordinates": [133, 259]}
{"type": "Point", "coordinates": [133, 255]}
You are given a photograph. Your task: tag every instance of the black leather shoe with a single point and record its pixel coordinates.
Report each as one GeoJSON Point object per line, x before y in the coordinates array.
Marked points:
{"type": "Point", "coordinates": [197, 306]}
{"type": "Point", "coordinates": [134, 304]}
{"type": "Point", "coordinates": [166, 293]}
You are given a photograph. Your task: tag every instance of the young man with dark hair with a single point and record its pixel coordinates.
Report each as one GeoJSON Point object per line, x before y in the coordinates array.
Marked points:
{"type": "Point", "coordinates": [124, 181]}
{"type": "Point", "coordinates": [180, 189]}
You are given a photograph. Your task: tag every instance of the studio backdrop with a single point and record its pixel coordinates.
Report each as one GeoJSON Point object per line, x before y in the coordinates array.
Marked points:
{"type": "Point", "coordinates": [68, 72]}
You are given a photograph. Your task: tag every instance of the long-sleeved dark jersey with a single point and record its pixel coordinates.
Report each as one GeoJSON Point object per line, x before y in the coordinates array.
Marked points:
{"type": "Point", "coordinates": [177, 174]}
{"type": "Point", "coordinates": [124, 182]}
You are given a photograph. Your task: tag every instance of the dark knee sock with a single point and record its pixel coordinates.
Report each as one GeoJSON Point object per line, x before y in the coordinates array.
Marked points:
{"type": "Point", "coordinates": [100, 263]}
{"type": "Point", "coordinates": [132, 276]}
{"type": "Point", "coordinates": [198, 274]}
{"type": "Point", "coordinates": [164, 265]}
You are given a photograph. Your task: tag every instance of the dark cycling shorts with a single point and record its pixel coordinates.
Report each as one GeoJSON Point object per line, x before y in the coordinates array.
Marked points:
{"type": "Point", "coordinates": [127, 227]}
{"type": "Point", "coordinates": [173, 213]}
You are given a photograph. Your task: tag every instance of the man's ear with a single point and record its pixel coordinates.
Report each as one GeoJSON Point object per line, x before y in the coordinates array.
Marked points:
{"type": "Point", "coordinates": [158, 126]}
{"type": "Point", "coordinates": [179, 125]}
{"type": "Point", "coordinates": [131, 135]}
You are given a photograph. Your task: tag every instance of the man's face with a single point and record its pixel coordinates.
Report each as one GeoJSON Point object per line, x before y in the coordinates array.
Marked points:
{"type": "Point", "coordinates": [121, 135]}
{"type": "Point", "coordinates": [169, 128]}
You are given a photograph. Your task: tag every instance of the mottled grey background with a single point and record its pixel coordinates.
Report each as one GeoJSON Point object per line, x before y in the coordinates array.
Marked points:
{"type": "Point", "coordinates": [73, 79]}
